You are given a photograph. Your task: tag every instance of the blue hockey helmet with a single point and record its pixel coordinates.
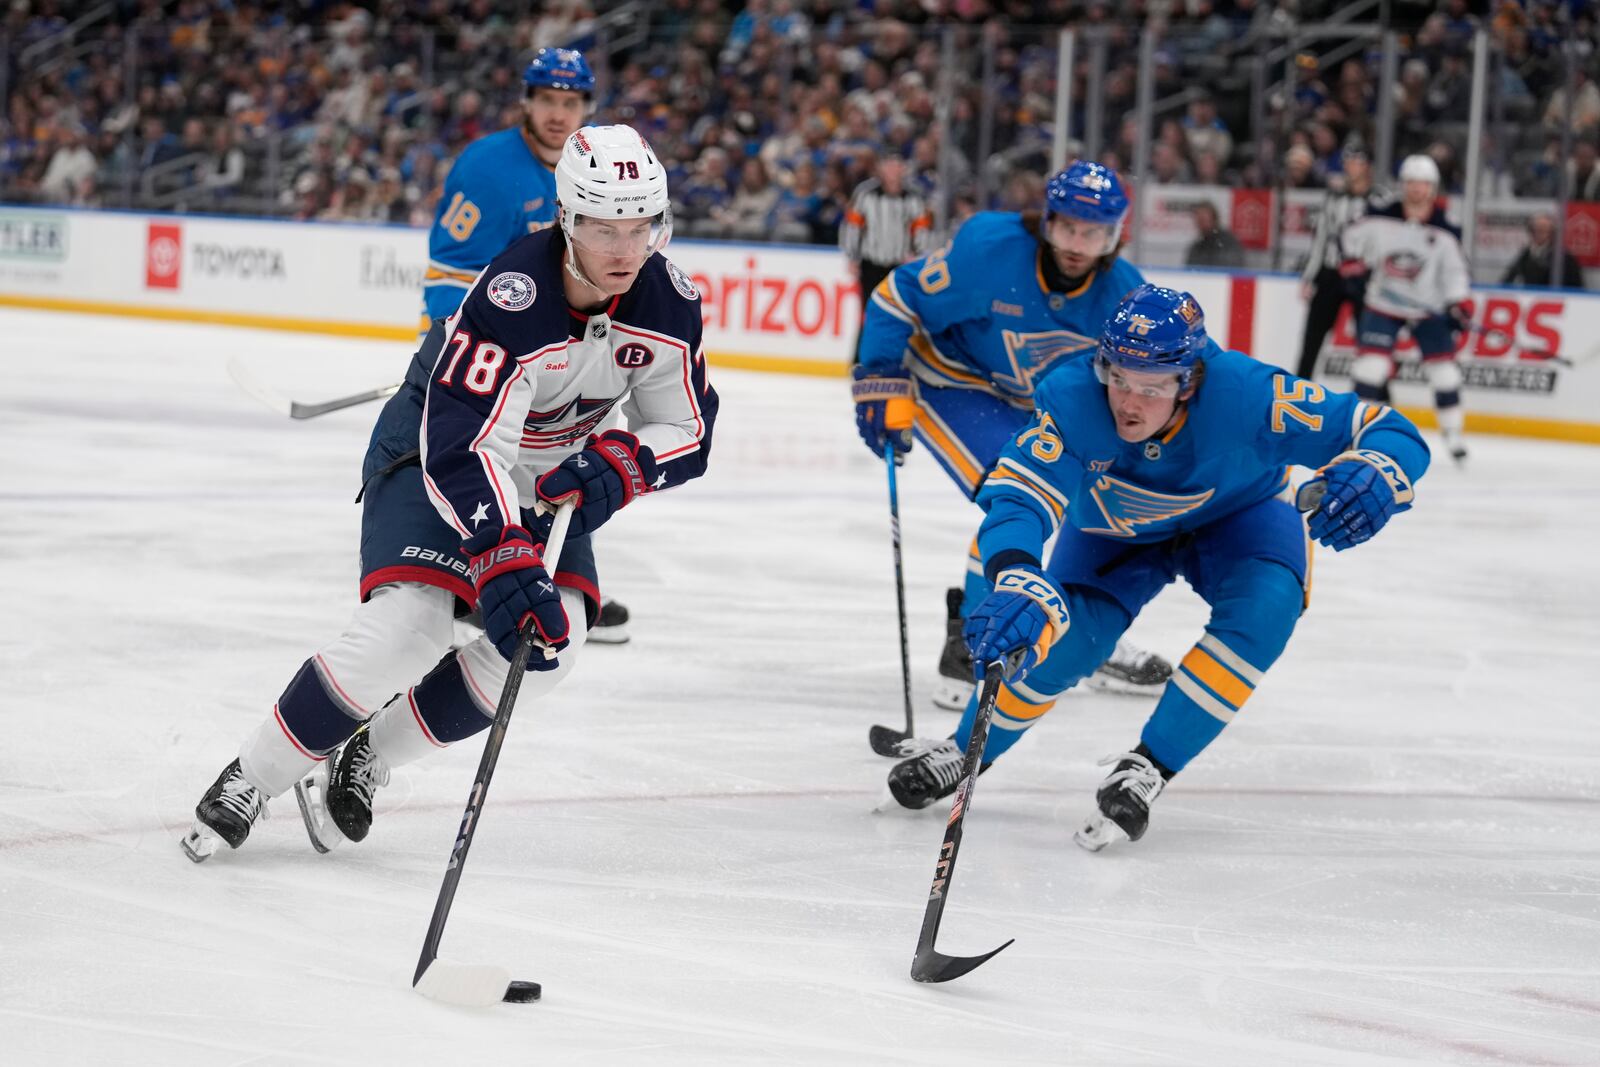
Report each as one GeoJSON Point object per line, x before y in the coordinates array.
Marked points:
{"type": "Point", "coordinates": [1088, 191]}
{"type": "Point", "coordinates": [1154, 330]}
{"type": "Point", "coordinates": [559, 68]}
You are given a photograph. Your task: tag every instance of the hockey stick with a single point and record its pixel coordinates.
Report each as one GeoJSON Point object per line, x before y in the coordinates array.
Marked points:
{"type": "Point", "coordinates": [931, 965]}
{"type": "Point", "coordinates": [1493, 334]}
{"type": "Point", "coordinates": [481, 984]}
{"type": "Point", "coordinates": [885, 740]}
{"type": "Point", "coordinates": [294, 408]}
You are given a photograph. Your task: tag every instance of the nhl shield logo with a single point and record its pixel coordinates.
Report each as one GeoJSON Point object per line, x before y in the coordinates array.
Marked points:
{"type": "Point", "coordinates": [511, 291]}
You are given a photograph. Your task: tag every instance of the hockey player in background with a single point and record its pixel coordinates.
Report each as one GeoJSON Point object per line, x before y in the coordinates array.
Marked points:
{"type": "Point", "coordinates": [563, 328]}
{"type": "Point", "coordinates": [1173, 455]}
{"type": "Point", "coordinates": [954, 343]}
{"type": "Point", "coordinates": [1406, 261]}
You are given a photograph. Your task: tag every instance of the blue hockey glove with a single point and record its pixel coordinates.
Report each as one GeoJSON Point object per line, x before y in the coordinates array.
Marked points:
{"type": "Point", "coordinates": [600, 480]}
{"type": "Point", "coordinates": [1353, 497]}
{"type": "Point", "coordinates": [513, 589]}
{"type": "Point", "coordinates": [884, 409]}
{"type": "Point", "coordinates": [1027, 613]}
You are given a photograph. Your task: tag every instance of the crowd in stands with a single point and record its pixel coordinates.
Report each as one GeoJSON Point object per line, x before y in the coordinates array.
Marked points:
{"type": "Point", "coordinates": [767, 111]}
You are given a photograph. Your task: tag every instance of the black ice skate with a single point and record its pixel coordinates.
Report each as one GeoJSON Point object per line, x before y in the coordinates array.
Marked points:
{"type": "Point", "coordinates": [1122, 803]}
{"type": "Point", "coordinates": [224, 815]}
{"type": "Point", "coordinates": [955, 683]}
{"type": "Point", "coordinates": [1456, 443]}
{"type": "Point", "coordinates": [1131, 671]}
{"type": "Point", "coordinates": [930, 775]}
{"type": "Point", "coordinates": [611, 627]}
{"type": "Point", "coordinates": [354, 774]}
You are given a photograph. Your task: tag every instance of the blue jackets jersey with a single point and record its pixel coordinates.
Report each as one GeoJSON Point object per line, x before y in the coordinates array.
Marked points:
{"type": "Point", "coordinates": [1229, 449]}
{"type": "Point", "coordinates": [523, 380]}
{"type": "Point", "coordinates": [496, 192]}
{"type": "Point", "coordinates": [977, 314]}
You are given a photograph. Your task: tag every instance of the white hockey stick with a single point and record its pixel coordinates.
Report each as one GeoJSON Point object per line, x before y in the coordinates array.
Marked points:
{"type": "Point", "coordinates": [295, 409]}
{"type": "Point", "coordinates": [1495, 334]}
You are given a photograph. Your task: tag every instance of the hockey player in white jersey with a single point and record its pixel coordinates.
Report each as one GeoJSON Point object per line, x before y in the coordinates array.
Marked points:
{"type": "Point", "coordinates": [1406, 261]}
{"type": "Point", "coordinates": [561, 329]}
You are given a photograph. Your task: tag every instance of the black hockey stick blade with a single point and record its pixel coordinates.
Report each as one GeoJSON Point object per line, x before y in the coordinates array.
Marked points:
{"type": "Point", "coordinates": [935, 966]}
{"type": "Point", "coordinates": [886, 741]}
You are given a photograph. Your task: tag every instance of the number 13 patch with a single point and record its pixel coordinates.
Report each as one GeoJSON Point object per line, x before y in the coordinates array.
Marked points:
{"type": "Point", "coordinates": [633, 356]}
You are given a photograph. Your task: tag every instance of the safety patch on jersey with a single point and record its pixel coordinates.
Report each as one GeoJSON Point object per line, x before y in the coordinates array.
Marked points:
{"type": "Point", "coordinates": [681, 282]}
{"type": "Point", "coordinates": [512, 291]}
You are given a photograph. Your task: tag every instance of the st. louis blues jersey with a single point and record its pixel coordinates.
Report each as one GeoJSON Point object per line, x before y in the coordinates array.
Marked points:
{"type": "Point", "coordinates": [1417, 268]}
{"type": "Point", "coordinates": [496, 192]}
{"type": "Point", "coordinates": [1230, 447]}
{"type": "Point", "coordinates": [523, 380]}
{"type": "Point", "coordinates": [978, 314]}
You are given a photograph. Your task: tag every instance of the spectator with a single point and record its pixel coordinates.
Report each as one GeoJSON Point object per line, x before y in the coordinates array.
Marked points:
{"type": "Point", "coordinates": [1299, 168]}
{"type": "Point", "coordinates": [1533, 266]}
{"type": "Point", "coordinates": [747, 214]}
{"type": "Point", "coordinates": [1204, 131]}
{"type": "Point", "coordinates": [1583, 176]}
{"type": "Point", "coordinates": [1213, 246]}
{"type": "Point", "coordinates": [69, 177]}
{"type": "Point", "coordinates": [795, 214]}
{"type": "Point", "coordinates": [1585, 106]}
{"type": "Point", "coordinates": [704, 194]}
{"type": "Point", "coordinates": [222, 172]}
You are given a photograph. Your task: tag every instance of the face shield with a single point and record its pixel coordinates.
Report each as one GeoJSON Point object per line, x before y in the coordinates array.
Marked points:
{"type": "Point", "coordinates": [1080, 237]}
{"type": "Point", "coordinates": [618, 238]}
{"type": "Point", "coordinates": [1144, 384]}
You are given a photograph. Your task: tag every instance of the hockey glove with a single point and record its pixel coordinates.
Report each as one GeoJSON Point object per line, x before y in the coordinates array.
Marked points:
{"type": "Point", "coordinates": [600, 480]}
{"type": "Point", "coordinates": [1354, 274]}
{"type": "Point", "coordinates": [514, 589]}
{"type": "Point", "coordinates": [1027, 613]}
{"type": "Point", "coordinates": [1359, 492]}
{"type": "Point", "coordinates": [884, 410]}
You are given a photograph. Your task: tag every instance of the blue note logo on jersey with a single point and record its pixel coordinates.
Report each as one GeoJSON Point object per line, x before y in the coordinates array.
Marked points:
{"type": "Point", "coordinates": [1126, 506]}
{"type": "Point", "coordinates": [512, 291]}
{"type": "Point", "coordinates": [1032, 355]}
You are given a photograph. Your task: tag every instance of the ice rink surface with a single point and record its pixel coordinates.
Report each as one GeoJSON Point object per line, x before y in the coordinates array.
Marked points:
{"type": "Point", "coordinates": [1392, 856]}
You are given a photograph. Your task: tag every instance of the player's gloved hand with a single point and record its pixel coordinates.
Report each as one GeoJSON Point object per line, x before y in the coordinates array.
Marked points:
{"type": "Point", "coordinates": [600, 480]}
{"type": "Point", "coordinates": [1353, 497]}
{"type": "Point", "coordinates": [1460, 315]}
{"type": "Point", "coordinates": [1027, 613]}
{"type": "Point", "coordinates": [513, 589]}
{"type": "Point", "coordinates": [884, 409]}
{"type": "Point", "coordinates": [1354, 274]}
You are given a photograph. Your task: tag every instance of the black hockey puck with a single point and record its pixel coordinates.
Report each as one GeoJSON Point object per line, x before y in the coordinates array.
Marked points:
{"type": "Point", "coordinates": [522, 993]}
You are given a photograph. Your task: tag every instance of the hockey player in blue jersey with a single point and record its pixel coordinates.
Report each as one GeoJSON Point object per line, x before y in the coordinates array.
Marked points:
{"type": "Point", "coordinates": [953, 345]}
{"type": "Point", "coordinates": [564, 328]}
{"type": "Point", "coordinates": [1173, 456]}
{"type": "Point", "coordinates": [502, 187]}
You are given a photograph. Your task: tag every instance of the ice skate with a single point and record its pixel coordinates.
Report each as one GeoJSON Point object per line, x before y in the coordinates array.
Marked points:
{"type": "Point", "coordinates": [311, 793]}
{"type": "Point", "coordinates": [1457, 445]}
{"type": "Point", "coordinates": [224, 815]}
{"type": "Point", "coordinates": [926, 777]}
{"type": "Point", "coordinates": [1122, 803]}
{"type": "Point", "coordinates": [354, 774]}
{"type": "Point", "coordinates": [1131, 671]}
{"type": "Point", "coordinates": [955, 683]}
{"type": "Point", "coordinates": [611, 627]}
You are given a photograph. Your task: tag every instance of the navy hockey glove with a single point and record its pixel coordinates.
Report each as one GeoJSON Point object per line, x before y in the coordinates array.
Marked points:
{"type": "Point", "coordinates": [1027, 613]}
{"type": "Point", "coordinates": [1354, 274]}
{"type": "Point", "coordinates": [600, 480]}
{"type": "Point", "coordinates": [1353, 497]}
{"type": "Point", "coordinates": [1460, 316]}
{"type": "Point", "coordinates": [513, 589]}
{"type": "Point", "coordinates": [884, 409]}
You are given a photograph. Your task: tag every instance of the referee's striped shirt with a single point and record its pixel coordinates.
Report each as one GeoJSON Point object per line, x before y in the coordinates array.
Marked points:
{"type": "Point", "coordinates": [1340, 208]}
{"type": "Point", "coordinates": [885, 229]}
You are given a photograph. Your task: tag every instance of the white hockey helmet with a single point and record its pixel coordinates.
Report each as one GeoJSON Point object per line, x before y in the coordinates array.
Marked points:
{"type": "Point", "coordinates": [1420, 169]}
{"type": "Point", "coordinates": [611, 174]}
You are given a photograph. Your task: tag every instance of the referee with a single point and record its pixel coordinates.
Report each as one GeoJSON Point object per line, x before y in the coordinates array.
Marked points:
{"type": "Point", "coordinates": [886, 224]}
{"type": "Point", "coordinates": [1320, 283]}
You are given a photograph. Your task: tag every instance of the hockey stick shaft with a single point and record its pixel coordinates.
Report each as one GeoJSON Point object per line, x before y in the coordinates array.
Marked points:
{"type": "Point", "coordinates": [486, 765]}
{"type": "Point", "coordinates": [930, 965]}
{"type": "Point", "coordinates": [1491, 333]}
{"type": "Point", "coordinates": [885, 742]}
{"type": "Point", "coordinates": [296, 409]}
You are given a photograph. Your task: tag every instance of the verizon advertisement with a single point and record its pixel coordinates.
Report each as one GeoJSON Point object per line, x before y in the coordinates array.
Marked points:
{"type": "Point", "coordinates": [1534, 368]}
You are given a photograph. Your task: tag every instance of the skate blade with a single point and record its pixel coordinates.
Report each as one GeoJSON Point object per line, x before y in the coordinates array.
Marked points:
{"type": "Point", "coordinates": [200, 843]}
{"type": "Point", "coordinates": [951, 695]}
{"type": "Point", "coordinates": [311, 795]}
{"type": "Point", "coordinates": [1097, 832]}
{"type": "Point", "coordinates": [609, 635]}
{"type": "Point", "coordinates": [1100, 682]}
